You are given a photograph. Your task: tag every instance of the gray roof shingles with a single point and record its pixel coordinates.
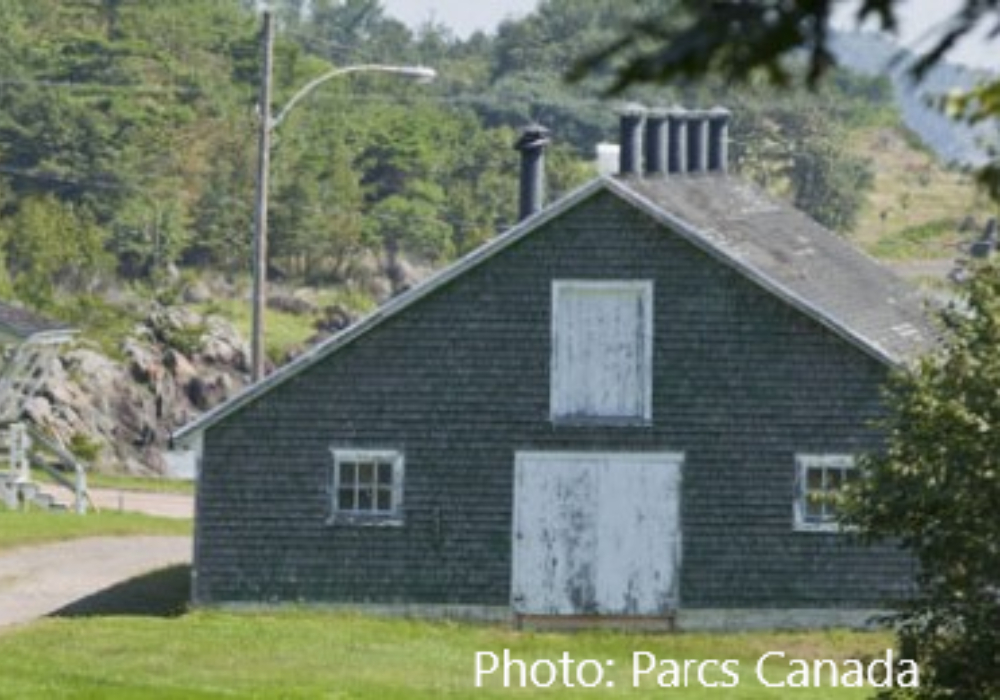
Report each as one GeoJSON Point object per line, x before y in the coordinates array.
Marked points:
{"type": "Point", "coordinates": [786, 250]}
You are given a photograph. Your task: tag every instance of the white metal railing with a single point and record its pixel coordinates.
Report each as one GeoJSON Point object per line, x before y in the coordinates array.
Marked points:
{"type": "Point", "coordinates": [16, 482]}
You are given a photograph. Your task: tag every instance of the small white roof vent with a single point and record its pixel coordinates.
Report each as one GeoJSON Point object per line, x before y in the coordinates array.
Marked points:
{"type": "Point", "coordinates": [607, 158]}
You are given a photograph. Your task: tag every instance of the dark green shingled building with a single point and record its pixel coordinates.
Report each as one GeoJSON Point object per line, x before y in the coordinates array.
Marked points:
{"type": "Point", "coordinates": [634, 404]}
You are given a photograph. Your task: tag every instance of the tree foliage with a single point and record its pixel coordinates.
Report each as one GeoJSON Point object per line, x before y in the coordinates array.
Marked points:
{"type": "Point", "coordinates": [51, 246]}
{"type": "Point", "coordinates": [936, 490]}
{"type": "Point", "coordinates": [795, 157]}
{"type": "Point", "coordinates": [739, 39]}
{"type": "Point", "coordinates": [139, 118]}
{"type": "Point", "coordinates": [797, 144]}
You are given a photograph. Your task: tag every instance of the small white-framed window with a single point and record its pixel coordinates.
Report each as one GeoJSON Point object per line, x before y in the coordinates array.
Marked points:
{"type": "Point", "coordinates": [602, 352]}
{"type": "Point", "coordinates": [367, 486]}
{"type": "Point", "coordinates": [819, 487]}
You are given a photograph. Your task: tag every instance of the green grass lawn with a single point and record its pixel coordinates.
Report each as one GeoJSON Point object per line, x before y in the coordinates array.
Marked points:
{"type": "Point", "coordinates": [19, 528]}
{"type": "Point", "coordinates": [126, 482]}
{"type": "Point", "coordinates": [287, 331]}
{"type": "Point", "coordinates": [339, 655]}
{"type": "Point", "coordinates": [925, 241]}
{"type": "Point", "coordinates": [140, 483]}
{"type": "Point", "coordinates": [284, 330]}
{"type": "Point", "coordinates": [915, 207]}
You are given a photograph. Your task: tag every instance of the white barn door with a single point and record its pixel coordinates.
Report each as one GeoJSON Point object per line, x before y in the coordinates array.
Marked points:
{"type": "Point", "coordinates": [596, 533]}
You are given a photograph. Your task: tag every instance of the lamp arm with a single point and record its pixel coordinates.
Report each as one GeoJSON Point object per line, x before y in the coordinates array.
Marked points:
{"type": "Point", "coordinates": [418, 72]}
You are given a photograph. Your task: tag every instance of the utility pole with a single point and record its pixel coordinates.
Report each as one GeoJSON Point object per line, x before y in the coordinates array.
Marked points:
{"type": "Point", "coordinates": [260, 210]}
{"type": "Point", "coordinates": [265, 125]}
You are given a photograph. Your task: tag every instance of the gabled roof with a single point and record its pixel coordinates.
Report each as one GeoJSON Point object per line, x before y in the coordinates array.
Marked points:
{"type": "Point", "coordinates": [767, 241]}
{"type": "Point", "coordinates": [794, 257]}
{"type": "Point", "coordinates": [19, 325]}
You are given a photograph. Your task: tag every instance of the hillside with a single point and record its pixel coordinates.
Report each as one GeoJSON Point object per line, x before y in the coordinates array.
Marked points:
{"type": "Point", "coordinates": [917, 205]}
{"type": "Point", "coordinates": [953, 142]}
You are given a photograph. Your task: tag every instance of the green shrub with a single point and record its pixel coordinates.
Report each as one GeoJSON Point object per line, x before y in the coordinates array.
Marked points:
{"type": "Point", "coordinates": [84, 448]}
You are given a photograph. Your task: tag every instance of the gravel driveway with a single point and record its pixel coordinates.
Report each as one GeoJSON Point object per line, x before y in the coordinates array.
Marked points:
{"type": "Point", "coordinates": [165, 505]}
{"type": "Point", "coordinates": [38, 580]}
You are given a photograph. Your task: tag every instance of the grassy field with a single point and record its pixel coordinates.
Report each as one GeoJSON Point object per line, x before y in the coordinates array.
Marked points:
{"type": "Point", "coordinates": [917, 205]}
{"type": "Point", "coordinates": [34, 527]}
{"type": "Point", "coordinates": [124, 482]}
{"type": "Point", "coordinates": [340, 655]}
{"type": "Point", "coordinates": [140, 483]}
{"type": "Point", "coordinates": [285, 331]}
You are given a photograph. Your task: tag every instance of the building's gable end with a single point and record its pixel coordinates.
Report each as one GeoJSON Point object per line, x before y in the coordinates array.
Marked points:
{"type": "Point", "coordinates": [460, 383]}
{"type": "Point", "coordinates": [669, 220]}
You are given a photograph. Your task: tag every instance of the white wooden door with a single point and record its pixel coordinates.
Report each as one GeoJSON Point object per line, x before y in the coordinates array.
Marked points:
{"type": "Point", "coordinates": [596, 533]}
{"type": "Point", "coordinates": [602, 349]}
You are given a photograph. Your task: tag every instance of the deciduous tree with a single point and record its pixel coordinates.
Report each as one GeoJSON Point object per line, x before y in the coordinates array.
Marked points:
{"type": "Point", "coordinates": [936, 488]}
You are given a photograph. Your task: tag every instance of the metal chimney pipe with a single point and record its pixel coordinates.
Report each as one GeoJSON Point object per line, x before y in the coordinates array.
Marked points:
{"type": "Point", "coordinates": [677, 140]}
{"type": "Point", "coordinates": [531, 144]}
{"type": "Point", "coordinates": [718, 140]}
{"type": "Point", "coordinates": [656, 142]}
{"type": "Point", "coordinates": [630, 155]}
{"type": "Point", "coordinates": [697, 141]}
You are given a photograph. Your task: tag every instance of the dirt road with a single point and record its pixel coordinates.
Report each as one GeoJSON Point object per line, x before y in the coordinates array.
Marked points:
{"type": "Point", "coordinates": [166, 505]}
{"type": "Point", "coordinates": [38, 580]}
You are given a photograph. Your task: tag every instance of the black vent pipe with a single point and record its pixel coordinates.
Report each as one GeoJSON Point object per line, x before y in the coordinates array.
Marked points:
{"type": "Point", "coordinates": [697, 137]}
{"type": "Point", "coordinates": [718, 139]}
{"type": "Point", "coordinates": [630, 153]}
{"type": "Point", "coordinates": [531, 144]}
{"type": "Point", "coordinates": [677, 140]}
{"type": "Point", "coordinates": [656, 142]}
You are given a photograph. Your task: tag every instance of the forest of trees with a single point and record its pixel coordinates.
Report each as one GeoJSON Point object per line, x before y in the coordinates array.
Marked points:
{"type": "Point", "coordinates": [127, 138]}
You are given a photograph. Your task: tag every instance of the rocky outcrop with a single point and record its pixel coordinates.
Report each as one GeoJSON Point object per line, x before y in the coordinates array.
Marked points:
{"type": "Point", "coordinates": [118, 414]}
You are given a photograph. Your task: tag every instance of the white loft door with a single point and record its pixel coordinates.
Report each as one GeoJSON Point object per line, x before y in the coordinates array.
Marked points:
{"type": "Point", "coordinates": [596, 534]}
{"type": "Point", "coordinates": [602, 345]}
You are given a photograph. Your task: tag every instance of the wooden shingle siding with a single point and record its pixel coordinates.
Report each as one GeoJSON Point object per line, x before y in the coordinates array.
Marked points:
{"type": "Point", "coordinates": [459, 382]}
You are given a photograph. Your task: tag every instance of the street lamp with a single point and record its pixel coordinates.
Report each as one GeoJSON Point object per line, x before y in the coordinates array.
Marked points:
{"type": "Point", "coordinates": [267, 124]}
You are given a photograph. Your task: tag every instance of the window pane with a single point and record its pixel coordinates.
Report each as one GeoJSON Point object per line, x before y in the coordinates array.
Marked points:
{"type": "Point", "coordinates": [348, 473]}
{"type": "Point", "coordinates": [814, 507]}
{"type": "Point", "coordinates": [366, 473]}
{"type": "Point", "coordinates": [385, 474]}
{"type": "Point", "coordinates": [345, 499]}
{"type": "Point", "coordinates": [365, 502]}
{"type": "Point", "coordinates": [384, 499]}
{"type": "Point", "coordinates": [834, 479]}
{"type": "Point", "coordinates": [832, 508]}
{"type": "Point", "coordinates": [365, 484]}
{"type": "Point", "coordinates": [814, 479]}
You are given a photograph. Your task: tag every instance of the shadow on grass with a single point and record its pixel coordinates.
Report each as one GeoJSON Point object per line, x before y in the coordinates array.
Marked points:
{"type": "Point", "coordinates": [161, 593]}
